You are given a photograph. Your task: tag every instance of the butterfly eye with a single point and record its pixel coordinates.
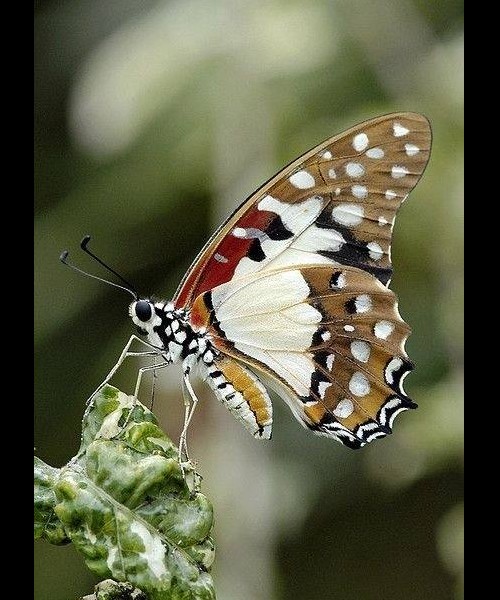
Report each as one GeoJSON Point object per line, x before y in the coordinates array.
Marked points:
{"type": "Point", "coordinates": [143, 310]}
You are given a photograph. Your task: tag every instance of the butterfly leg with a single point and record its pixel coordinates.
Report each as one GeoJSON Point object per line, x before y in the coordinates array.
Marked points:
{"type": "Point", "coordinates": [141, 372]}
{"type": "Point", "coordinates": [153, 350]}
{"type": "Point", "coordinates": [153, 387]}
{"type": "Point", "coordinates": [190, 403]}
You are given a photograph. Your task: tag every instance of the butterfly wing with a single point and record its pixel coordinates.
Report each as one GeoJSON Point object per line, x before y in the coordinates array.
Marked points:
{"type": "Point", "coordinates": [330, 339]}
{"type": "Point", "coordinates": [336, 204]}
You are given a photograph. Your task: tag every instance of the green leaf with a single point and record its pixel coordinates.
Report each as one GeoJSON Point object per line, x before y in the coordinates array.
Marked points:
{"type": "Point", "coordinates": [47, 525]}
{"type": "Point", "coordinates": [125, 504]}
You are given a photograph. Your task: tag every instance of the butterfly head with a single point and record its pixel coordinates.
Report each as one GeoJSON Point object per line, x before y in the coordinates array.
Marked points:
{"type": "Point", "coordinates": [143, 314]}
{"type": "Point", "coordinates": [166, 327]}
{"type": "Point", "coordinates": [150, 319]}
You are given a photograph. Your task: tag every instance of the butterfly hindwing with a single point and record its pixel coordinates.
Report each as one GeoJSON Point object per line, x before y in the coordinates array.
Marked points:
{"type": "Point", "coordinates": [335, 204]}
{"type": "Point", "coordinates": [330, 339]}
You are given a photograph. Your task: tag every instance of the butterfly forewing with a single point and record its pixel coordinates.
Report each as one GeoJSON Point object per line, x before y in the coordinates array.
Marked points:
{"type": "Point", "coordinates": [335, 204]}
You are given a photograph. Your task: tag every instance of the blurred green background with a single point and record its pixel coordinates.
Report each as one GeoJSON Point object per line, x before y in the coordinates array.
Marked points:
{"type": "Point", "coordinates": [153, 120]}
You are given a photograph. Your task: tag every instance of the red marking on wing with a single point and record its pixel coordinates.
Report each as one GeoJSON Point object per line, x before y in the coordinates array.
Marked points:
{"type": "Point", "coordinates": [213, 272]}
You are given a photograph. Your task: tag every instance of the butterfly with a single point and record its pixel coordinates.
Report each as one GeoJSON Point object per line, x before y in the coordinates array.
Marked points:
{"type": "Point", "coordinates": [293, 291]}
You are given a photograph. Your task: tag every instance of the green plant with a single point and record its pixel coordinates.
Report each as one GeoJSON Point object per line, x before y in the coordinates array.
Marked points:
{"type": "Point", "coordinates": [129, 507]}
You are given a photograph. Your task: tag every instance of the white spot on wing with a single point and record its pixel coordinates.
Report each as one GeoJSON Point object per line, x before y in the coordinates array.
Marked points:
{"type": "Point", "coordinates": [360, 350]}
{"type": "Point", "coordinates": [359, 384]}
{"type": "Point", "coordinates": [390, 194]}
{"type": "Point", "coordinates": [399, 130]}
{"type": "Point", "coordinates": [375, 153]}
{"type": "Point", "coordinates": [398, 172]}
{"type": "Point", "coordinates": [329, 361]}
{"type": "Point", "coordinates": [332, 174]}
{"type": "Point", "coordinates": [302, 180]}
{"type": "Point", "coordinates": [382, 221]}
{"type": "Point", "coordinates": [327, 155]}
{"type": "Point", "coordinates": [219, 258]}
{"type": "Point", "coordinates": [411, 149]}
{"type": "Point", "coordinates": [239, 232]}
{"type": "Point", "coordinates": [375, 250]}
{"type": "Point", "coordinates": [340, 282]}
{"type": "Point", "coordinates": [360, 142]}
{"type": "Point", "coordinates": [383, 329]}
{"type": "Point", "coordinates": [359, 191]}
{"type": "Point", "coordinates": [363, 303]}
{"type": "Point", "coordinates": [326, 335]}
{"type": "Point", "coordinates": [354, 169]}
{"type": "Point", "coordinates": [348, 328]}
{"type": "Point", "coordinates": [344, 409]}
{"type": "Point", "coordinates": [349, 215]}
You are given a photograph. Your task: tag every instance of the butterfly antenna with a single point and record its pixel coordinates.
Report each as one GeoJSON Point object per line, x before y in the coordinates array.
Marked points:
{"type": "Point", "coordinates": [64, 259]}
{"type": "Point", "coordinates": [84, 246]}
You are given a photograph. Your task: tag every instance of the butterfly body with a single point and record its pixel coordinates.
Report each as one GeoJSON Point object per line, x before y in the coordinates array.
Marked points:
{"type": "Point", "coordinates": [168, 329]}
{"type": "Point", "coordinates": [294, 287]}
